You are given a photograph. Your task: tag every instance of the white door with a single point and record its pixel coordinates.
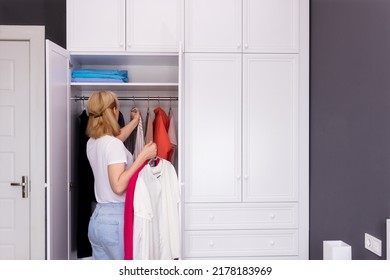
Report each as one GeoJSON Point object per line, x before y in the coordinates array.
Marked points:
{"type": "Point", "coordinates": [213, 26]}
{"type": "Point", "coordinates": [271, 26]}
{"type": "Point", "coordinates": [14, 150]}
{"type": "Point", "coordinates": [57, 153]}
{"type": "Point", "coordinates": [154, 25]}
{"type": "Point", "coordinates": [213, 127]}
{"type": "Point", "coordinates": [270, 143]}
{"type": "Point", "coordinates": [95, 25]}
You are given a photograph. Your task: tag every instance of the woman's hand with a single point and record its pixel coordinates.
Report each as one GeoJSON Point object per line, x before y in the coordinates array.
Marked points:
{"type": "Point", "coordinates": [149, 151]}
{"type": "Point", "coordinates": [135, 115]}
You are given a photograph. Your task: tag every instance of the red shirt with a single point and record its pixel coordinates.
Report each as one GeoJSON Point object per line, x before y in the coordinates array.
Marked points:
{"type": "Point", "coordinates": [160, 134]}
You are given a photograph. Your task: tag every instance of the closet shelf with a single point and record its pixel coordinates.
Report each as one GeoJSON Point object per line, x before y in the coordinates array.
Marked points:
{"type": "Point", "coordinates": [126, 86]}
{"type": "Point", "coordinates": [133, 98]}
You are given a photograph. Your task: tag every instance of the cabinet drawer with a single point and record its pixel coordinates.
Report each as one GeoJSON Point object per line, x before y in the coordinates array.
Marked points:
{"type": "Point", "coordinates": [241, 243]}
{"type": "Point", "coordinates": [241, 216]}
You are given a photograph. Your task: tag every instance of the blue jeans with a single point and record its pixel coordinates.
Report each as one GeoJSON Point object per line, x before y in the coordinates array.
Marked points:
{"type": "Point", "coordinates": [105, 231]}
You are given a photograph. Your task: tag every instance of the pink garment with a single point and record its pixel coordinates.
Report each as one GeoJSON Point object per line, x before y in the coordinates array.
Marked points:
{"type": "Point", "coordinates": [172, 135]}
{"type": "Point", "coordinates": [149, 128]}
{"type": "Point", "coordinates": [129, 214]}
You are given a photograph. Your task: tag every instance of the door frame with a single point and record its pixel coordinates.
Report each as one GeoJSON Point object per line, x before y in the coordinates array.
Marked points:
{"type": "Point", "coordinates": [35, 35]}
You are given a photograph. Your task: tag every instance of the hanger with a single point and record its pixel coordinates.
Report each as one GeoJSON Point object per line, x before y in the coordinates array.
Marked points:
{"type": "Point", "coordinates": [154, 161]}
{"type": "Point", "coordinates": [148, 106]}
{"type": "Point", "coordinates": [83, 104]}
{"type": "Point", "coordinates": [134, 109]}
{"type": "Point", "coordinates": [170, 106]}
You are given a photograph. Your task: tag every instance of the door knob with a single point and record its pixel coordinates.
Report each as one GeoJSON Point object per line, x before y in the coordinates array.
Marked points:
{"type": "Point", "coordinates": [24, 185]}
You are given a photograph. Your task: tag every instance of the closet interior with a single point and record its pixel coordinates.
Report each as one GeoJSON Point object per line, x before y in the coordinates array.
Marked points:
{"type": "Point", "coordinates": [153, 83]}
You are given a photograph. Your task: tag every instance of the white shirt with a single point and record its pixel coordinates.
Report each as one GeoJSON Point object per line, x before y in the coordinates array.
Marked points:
{"type": "Point", "coordinates": [101, 153]}
{"type": "Point", "coordinates": [156, 233]}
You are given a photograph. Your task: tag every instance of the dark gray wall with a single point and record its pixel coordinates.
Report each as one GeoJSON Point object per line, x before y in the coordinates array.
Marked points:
{"type": "Point", "coordinates": [50, 13]}
{"type": "Point", "coordinates": [349, 119]}
{"type": "Point", "coordinates": [350, 123]}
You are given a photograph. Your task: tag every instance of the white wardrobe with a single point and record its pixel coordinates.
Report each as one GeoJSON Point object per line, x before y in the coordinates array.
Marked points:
{"type": "Point", "coordinates": [246, 129]}
{"type": "Point", "coordinates": [235, 73]}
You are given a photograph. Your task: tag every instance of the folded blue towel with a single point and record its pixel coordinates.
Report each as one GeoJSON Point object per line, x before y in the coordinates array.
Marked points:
{"type": "Point", "coordinates": [100, 73]}
{"type": "Point", "coordinates": [96, 80]}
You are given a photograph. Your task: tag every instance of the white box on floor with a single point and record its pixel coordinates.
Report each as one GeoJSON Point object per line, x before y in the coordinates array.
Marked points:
{"type": "Point", "coordinates": [336, 250]}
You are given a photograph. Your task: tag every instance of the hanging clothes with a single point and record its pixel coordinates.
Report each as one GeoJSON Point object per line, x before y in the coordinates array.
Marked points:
{"type": "Point", "coordinates": [172, 135]}
{"type": "Point", "coordinates": [139, 139]}
{"type": "Point", "coordinates": [86, 195]}
{"type": "Point", "coordinates": [121, 120]}
{"type": "Point", "coordinates": [130, 141]}
{"type": "Point", "coordinates": [156, 233]}
{"type": "Point", "coordinates": [148, 128]}
{"type": "Point", "coordinates": [160, 134]}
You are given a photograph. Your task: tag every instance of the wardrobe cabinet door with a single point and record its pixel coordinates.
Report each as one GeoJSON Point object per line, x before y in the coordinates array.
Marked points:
{"type": "Point", "coordinates": [270, 160]}
{"type": "Point", "coordinates": [96, 25]}
{"type": "Point", "coordinates": [213, 25]}
{"type": "Point", "coordinates": [213, 127]}
{"type": "Point", "coordinates": [271, 26]}
{"type": "Point", "coordinates": [57, 152]}
{"type": "Point", "coordinates": [154, 25]}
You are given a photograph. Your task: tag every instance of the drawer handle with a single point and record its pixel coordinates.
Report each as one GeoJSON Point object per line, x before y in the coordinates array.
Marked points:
{"type": "Point", "coordinates": [211, 243]}
{"type": "Point", "coordinates": [211, 217]}
{"type": "Point", "coordinates": [272, 216]}
{"type": "Point", "coordinates": [272, 243]}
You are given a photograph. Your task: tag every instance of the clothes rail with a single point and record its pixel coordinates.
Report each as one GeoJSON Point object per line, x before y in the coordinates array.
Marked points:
{"type": "Point", "coordinates": [133, 98]}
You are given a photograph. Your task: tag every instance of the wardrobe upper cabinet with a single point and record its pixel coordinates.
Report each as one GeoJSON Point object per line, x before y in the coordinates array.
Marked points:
{"type": "Point", "coordinates": [213, 25]}
{"type": "Point", "coordinates": [213, 128]}
{"type": "Point", "coordinates": [124, 25]}
{"type": "Point", "coordinates": [154, 25]}
{"type": "Point", "coordinates": [262, 26]}
{"type": "Point", "coordinates": [271, 26]}
{"type": "Point", "coordinates": [96, 25]}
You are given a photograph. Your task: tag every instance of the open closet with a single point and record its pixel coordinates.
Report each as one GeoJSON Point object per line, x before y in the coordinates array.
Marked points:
{"type": "Point", "coordinates": [153, 83]}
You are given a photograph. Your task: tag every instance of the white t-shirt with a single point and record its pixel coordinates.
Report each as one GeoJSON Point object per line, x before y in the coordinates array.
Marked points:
{"type": "Point", "coordinates": [101, 153]}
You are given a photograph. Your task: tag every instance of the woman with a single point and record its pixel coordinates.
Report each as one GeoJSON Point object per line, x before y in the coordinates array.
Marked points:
{"type": "Point", "coordinates": [112, 165]}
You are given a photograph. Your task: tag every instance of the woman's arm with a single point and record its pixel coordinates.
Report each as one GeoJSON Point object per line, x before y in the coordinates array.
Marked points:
{"type": "Point", "coordinates": [119, 177]}
{"type": "Point", "coordinates": [128, 129]}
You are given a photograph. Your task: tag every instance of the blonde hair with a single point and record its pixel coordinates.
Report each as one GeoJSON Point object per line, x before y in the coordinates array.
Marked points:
{"type": "Point", "coordinates": [102, 120]}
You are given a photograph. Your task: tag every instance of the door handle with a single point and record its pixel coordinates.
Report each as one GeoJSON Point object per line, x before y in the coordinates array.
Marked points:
{"type": "Point", "coordinates": [24, 185]}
